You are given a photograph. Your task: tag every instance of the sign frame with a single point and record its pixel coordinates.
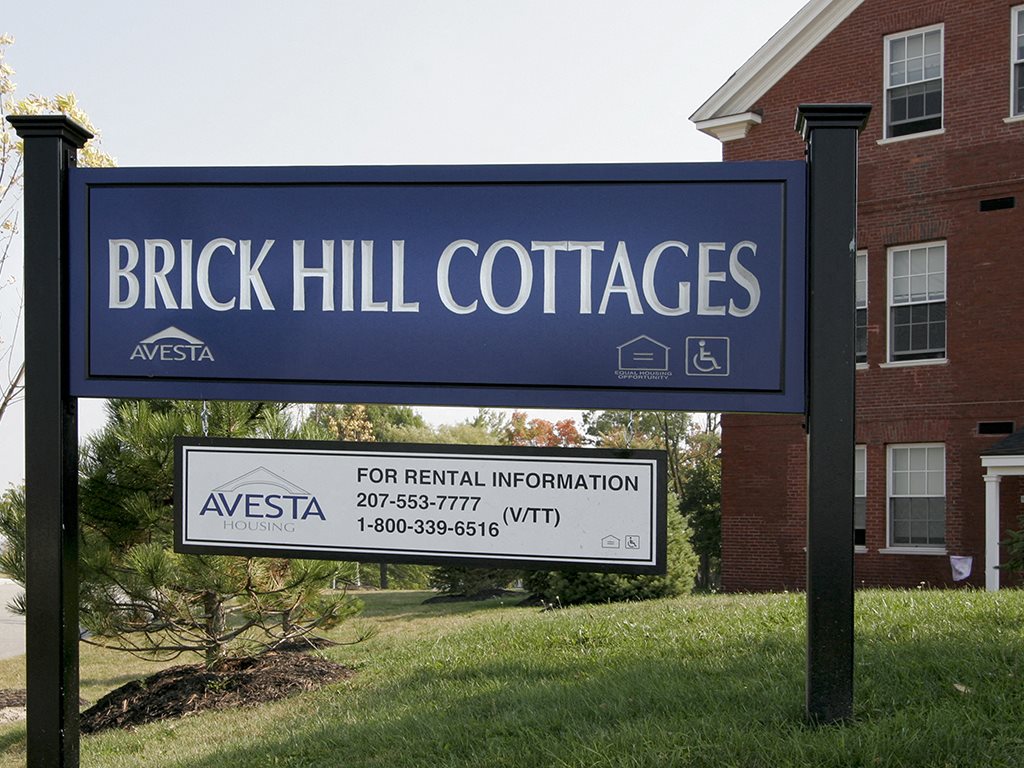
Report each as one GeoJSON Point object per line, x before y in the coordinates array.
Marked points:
{"type": "Point", "coordinates": [830, 133]}
{"type": "Point", "coordinates": [655, 460]}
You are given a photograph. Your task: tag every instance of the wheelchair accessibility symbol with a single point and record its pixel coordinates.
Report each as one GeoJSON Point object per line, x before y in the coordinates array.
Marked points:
{"type": "Point", "coordinates": [707, 355]}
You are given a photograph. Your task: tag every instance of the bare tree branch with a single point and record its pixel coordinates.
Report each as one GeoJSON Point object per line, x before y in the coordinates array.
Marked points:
{"type": "Point", "coordinates": [13, 390]}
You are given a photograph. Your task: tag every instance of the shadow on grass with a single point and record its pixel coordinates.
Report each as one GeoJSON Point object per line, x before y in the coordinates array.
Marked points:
{"type": "Point", "coordinates": [557, 696]}
{"type": "Point", "coordinates": [748, 712]}
{"type": "Point", "coordinates": [388, 607]}
{"type": "Point", "coordinates": [537, 714]}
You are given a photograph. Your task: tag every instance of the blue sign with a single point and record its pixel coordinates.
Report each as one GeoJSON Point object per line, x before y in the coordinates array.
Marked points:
{"type": "Point", "coordinates": [625, 286]}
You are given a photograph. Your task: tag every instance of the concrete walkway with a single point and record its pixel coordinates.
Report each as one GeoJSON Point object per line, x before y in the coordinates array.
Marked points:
{"type": "Point", "coordinates": [12, 626]}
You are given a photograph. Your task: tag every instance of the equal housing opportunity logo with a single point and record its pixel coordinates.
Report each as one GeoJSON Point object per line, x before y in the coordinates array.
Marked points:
{"type": "Point", "coordinates": [172, 345]}
{"type": "Point", "coordinates": [643, 358]}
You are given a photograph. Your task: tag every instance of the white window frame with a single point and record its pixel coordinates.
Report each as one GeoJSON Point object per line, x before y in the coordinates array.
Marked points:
{"type": "Point", "coordinates": [907, 548]}
{"type": "Point", "coordinates": [860, 489]}
{"type": "Point", "coordinates": [890, 304]}
{"type": "Point", "coordinates": [861, 258]}
{"type": "Point", "coordinates": [887, 86]}
{"type": "Point", "coordinates": [1016, 30]}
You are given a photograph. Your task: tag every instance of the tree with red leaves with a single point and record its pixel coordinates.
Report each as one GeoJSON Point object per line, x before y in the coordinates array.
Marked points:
{"type": "Point", "coordinates": [541, 432]}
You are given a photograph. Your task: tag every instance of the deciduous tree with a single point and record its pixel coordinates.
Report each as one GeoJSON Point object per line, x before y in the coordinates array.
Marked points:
{"type": "Point", "coordinates": [12, 365]}
{"type": "Point", "coordinates": [541, 432]}
{"type": "Point", "coordinates": [365, 423]}
{"type": "Point", "coordinates": [701, 500]}
{"type": "Point", "coordinates": [692, 443]}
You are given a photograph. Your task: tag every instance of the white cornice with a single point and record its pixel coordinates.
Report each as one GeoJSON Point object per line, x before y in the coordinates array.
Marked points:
{"type": "Point", "coordinates": [737, 97]}
{"type": "Point", "coordinates": [730, 127]}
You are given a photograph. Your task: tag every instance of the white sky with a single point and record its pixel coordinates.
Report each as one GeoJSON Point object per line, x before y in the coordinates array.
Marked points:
{"type": "Point", "coordinates": [383, 82]}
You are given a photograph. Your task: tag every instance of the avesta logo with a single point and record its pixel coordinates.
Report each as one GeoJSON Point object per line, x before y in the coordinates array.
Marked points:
{"type": "Point", "coordinates": [172, 345]}
{"type": "Point", "coordinates": [262, 501]}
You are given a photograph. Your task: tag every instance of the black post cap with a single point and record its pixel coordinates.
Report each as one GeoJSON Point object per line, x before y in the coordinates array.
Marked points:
{"type": "Point", "coordinates": [811, 116]}
{"type": "Point", "coordinates": [60, 126]}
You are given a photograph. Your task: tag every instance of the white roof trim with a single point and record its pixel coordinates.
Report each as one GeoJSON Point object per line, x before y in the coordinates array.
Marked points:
{"type": "Point", "coordinates": [1007, 463]}
{"type": "Point", "coordinates": [773, 60]}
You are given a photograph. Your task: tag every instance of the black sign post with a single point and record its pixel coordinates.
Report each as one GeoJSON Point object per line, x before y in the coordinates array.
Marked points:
{"type": "Point", "coordinates": [51, 447]}
{"type": "Point", "coordinates": [831, 132]}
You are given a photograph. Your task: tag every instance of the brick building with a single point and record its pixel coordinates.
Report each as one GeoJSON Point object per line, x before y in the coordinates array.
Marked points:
{"type": "Point", "coordinates": [940, 287]}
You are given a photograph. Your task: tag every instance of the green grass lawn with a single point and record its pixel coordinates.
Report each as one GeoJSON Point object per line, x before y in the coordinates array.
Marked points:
{"type": "Point", "coordinates": [696, 681]}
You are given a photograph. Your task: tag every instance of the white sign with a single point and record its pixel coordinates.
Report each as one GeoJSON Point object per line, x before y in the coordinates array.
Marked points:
{"type": "Point", "coordinates": [521, 507]}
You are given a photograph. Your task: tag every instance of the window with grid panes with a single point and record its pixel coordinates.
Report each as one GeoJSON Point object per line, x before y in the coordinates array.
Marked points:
{"type": "Point", "coordinates": [917, 302]}
{"type": "Point", "coordinates": [917, 495]}
{"type": "Point", "coordinates": [1017, 59]}
{"type": "Point", "coordinates": [861, 322]}
{"type": "Point", "coordinates": [860, 492]}
{"type": "Point", "coordinates": [913, 76]}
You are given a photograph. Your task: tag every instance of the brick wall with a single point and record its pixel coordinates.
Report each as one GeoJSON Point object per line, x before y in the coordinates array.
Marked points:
{"type": "Point", "coordinates": [911, 191]}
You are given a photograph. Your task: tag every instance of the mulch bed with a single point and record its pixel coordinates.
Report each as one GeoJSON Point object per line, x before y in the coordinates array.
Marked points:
{"type": "Point", "coordinates": [183, 690]}
{"type": "Point", "coordinates": [12, 697]}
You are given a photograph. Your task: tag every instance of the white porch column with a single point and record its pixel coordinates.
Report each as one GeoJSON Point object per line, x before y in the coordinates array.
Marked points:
{"type": "Point", "coordinates": [992, 531]}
